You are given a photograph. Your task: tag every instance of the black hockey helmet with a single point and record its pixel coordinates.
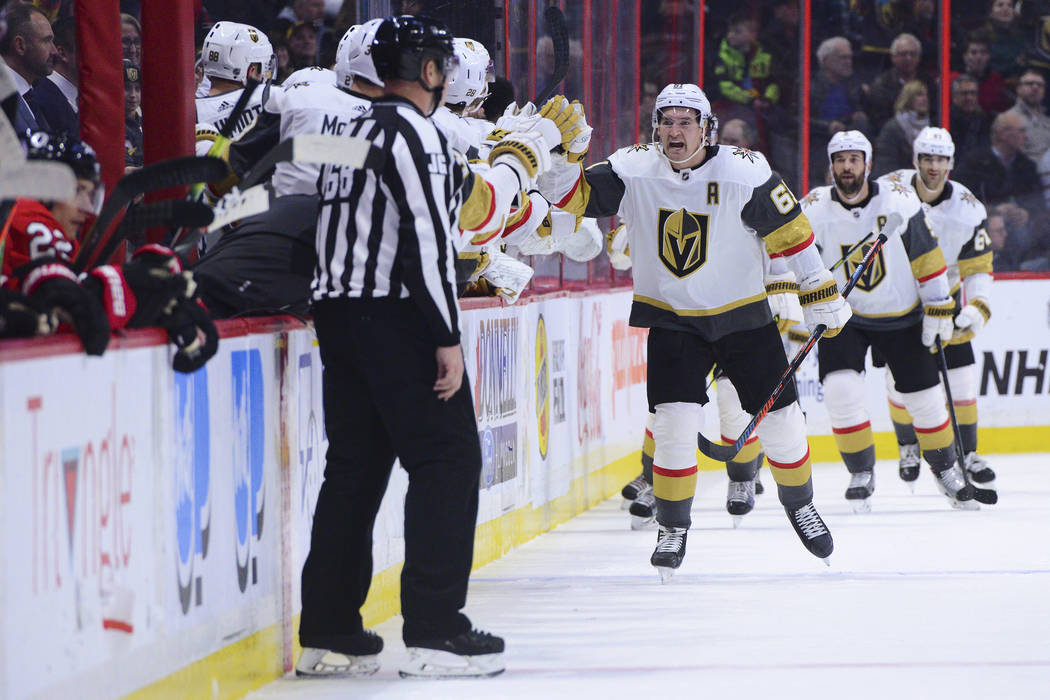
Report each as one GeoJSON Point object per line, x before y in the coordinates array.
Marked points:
{"type": "Point", "coordinates": [45, 145]}
{"type": "Point", "coordinates": [403, 44]}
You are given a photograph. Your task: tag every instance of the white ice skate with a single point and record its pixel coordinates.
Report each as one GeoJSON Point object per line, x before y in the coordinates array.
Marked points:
{"type": "Point", "coordinates": [473, 654]}
{"type": "Point", "coordinates": [861, 487]}
{"type": "Point", "coordinates": [643, 509]}
{"type": "Point", "coordinates": [669, 552]}
{"type": "Point", "coordinates": [909, 464]}
{"type": "Point", "coordinates": [951, 483]}
{"type": "Point", "coordinates": [323, 663]}
{"type": "Point", "coordinates": [979, 471]}
{"type": "Point", "coordinates": [740, 499]}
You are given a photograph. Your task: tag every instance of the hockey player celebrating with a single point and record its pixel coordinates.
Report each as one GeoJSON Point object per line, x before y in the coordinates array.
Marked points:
{"type": "Point", "coordinates": [698, 216]}
{"type": "Point", "coordinates": [232, 53]}
{"type": "Point", "coordinates": [958, 219]}
{"type": "Point", "coordinates": [900, 306]}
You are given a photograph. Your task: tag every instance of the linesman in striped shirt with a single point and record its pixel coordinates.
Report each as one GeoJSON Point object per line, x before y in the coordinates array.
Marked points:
{"type": "Point", "coordinates": [388, 326]}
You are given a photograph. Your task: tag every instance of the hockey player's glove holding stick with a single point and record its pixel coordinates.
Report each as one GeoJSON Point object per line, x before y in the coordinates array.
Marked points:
{"type": "Point", "coordinates": [53, 287]}
{"type": "Point", "coordinates": [782, 295]}
{"type": "Point", "coordinates": [154, 289]}
{"type": "Point", "coordinates": [21, 317]}
{"type": "Point", "coordinates": [822, 304]}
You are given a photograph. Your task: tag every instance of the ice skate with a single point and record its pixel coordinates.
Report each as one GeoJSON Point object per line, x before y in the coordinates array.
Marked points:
{"type": "Point", "coordinates": [740, 499]}
{"type": "Point", "coordinates": [473, 654]}
{"type": "Point", "coordinates": [909, 464]}
{"type": "Point", "coordinates": [979, 471]}
{"type": "Point", "coordinates": [669, 552]}
{"type": "Point", "coordinates": [361, 658]}
{"type": "Point", "coordinates": [812, 531]}
{"type": "Point", "coordinates": [631, 491]}
{"type": "Point", "coordinates": [951, 483]}
{"type": "Point", "coordinates": [861, 487]}
{"type": "Point", "coordinates": [643, 509]}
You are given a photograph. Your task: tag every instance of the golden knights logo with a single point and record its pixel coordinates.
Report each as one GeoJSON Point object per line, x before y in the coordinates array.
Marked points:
{"type": "Point", "coordinates": [745, 153]}
{"type": "Point", "coordinates": [876, 272]}
{"type": "Point", "coordinates": [682, 244]}
{"type": "Point", "coordinates": [253, 35]}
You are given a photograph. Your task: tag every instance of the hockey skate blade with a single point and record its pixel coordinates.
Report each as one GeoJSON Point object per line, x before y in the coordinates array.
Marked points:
{"type": "Point", "coordinates": [987, 496]}
{"type": "Point", "coordinates": [639, 522]}
{"type": "Point", "coordinates": [737, 520]}
{"type": "Point", "coordinates": [963, 505]}
{"type": "Point", "coordinates": [434, 664]}
{"type": "Point", "coordinates": [625, 503]}
{"type": "Point", "coordinates": [861, 506]}
{"type": "Point", "coordinates": [666, 572]}
{"type": "Point", "coordinates": [321, 663]}
{"type": "Point", "coordinates": [827, 561]}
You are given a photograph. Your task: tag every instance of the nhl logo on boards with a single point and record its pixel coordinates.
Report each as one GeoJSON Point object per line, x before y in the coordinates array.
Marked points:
{"type": "Point", "coordinates": [682, 241]}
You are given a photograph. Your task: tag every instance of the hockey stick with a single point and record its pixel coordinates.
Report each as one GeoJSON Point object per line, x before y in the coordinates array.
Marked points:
{"type": "Point", "coordinates": [251, 199]}
{"type": "Point", "coordinates": [554, 21]}
{"type": "Point", "coordinates": [724, 453]}
{"type": "Point", "coordinates": [986, 496]}
{"type": "Point", "coordinates": [156, 176]}
{"type": "Point", "coordinates": [170, 212]}
{"type": "Point", "coordinates": [352, 152]}
{"type": "Point", "coordinates": [217, 147]}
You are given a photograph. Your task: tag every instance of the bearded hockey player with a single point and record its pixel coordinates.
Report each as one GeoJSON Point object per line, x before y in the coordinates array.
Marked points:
{"type": "Point", "coordinates": [958, 220]}
{"type": "Point", "coordinates": [900, 306]}
{"type": "Point", "coordinates": [698, 218]}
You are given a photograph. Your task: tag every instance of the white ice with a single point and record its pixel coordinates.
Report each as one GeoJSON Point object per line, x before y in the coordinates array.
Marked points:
{"type": "Point", "coordinates": [920, 601]}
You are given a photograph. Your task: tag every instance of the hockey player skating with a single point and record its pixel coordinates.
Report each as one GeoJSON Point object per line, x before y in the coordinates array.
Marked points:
{"type": "Point", "coordinates": [698, 217]}
{"type": "Point", "coordinates": [900, 306]}
{"type": "Point", "coordinates": [958, 220]}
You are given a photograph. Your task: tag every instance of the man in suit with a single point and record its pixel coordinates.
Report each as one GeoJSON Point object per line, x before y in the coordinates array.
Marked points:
{"type": "Point", "coordinates": [29, 51]}
{"type": "Point", "coordinates": [56, 96]}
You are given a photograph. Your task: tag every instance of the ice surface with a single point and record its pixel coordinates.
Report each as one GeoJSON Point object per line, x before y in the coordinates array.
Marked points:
{"type": "Point", "coordinates": [921, 601]}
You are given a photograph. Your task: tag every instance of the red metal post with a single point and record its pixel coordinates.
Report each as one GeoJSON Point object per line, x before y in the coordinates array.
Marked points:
{"type": "Point", "coordinates": [101, 77]}
{"type": "Point", "coordinates": [168, 109]}
{"type": "Point", "coordinates": [807, 39]}
{"type": "Point", "coordinates": [946, 66]}
{"type": "Point", "coordinates": [700, 29]}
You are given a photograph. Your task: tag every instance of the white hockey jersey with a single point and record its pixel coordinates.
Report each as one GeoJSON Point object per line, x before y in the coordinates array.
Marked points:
{"type": "Point", "coordinates": [215, 110]}
{"type": "Point", "coordinates": [310, 107]}
{"type": "Point", "coordinates": [887, 295]}
{"type": "Point", "coordinates": [957, 218]}
{"type": "Point", "coordinates": [696, 236]}
{"type": "Point", "coordinates": [462, 135]}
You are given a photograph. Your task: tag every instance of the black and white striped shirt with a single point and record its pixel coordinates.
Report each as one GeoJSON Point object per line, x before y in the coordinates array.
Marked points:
{"type": "Point", "coordinates": [389, 232]}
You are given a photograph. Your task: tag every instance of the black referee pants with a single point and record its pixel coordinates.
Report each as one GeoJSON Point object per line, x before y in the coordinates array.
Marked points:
{"type": "Point", "coordinates": [379, 370]}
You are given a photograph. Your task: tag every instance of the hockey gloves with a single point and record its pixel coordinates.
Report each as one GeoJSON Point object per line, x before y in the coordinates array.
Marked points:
{"type": "Point", "coordinates": [526, 150]}
{"type": "Point", "coordinates": [572, 124]}
{"type": "Point", "coordinates": [937, 321]}
{"type": "Point", "coordinates": [782, 295]}
{"type": "Point", "coordinates": [21, 317]}
{"type": "Point", "coordinates": [53, 287]}
{"type": "Point", "coordinates": [618, 249]}
{"type": "Point", "coordinates": [822, 304]}
{"type": "Point", "coordinates": [970, 321]}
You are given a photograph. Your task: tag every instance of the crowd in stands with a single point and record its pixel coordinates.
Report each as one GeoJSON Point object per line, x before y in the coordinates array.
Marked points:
{"type": "Point", "coordinates": [876, 68]}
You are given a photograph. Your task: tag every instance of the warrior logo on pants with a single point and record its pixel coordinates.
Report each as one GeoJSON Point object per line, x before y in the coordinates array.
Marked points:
{"type": "Point", "coordinates": [682, 245]}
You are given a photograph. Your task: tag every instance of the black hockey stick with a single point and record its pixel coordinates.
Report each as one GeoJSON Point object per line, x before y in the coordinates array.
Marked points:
{"type": "Point", "coordinates": [251, 199]}
{"type": "Point", "coordinates": [554, 21]}
{"type": "Point", "coordinates": [724, 453]}
{"type": "Point", "coordinates": [156, 176]}
{"type": "Point", "coordinates": [170, 212]}
{"type": "Point", "coordinates": [353, 152]}
{"type": "Point", "coordinates": [986, 496]}
{"type": "Point", "coordinates": [217, 147]}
